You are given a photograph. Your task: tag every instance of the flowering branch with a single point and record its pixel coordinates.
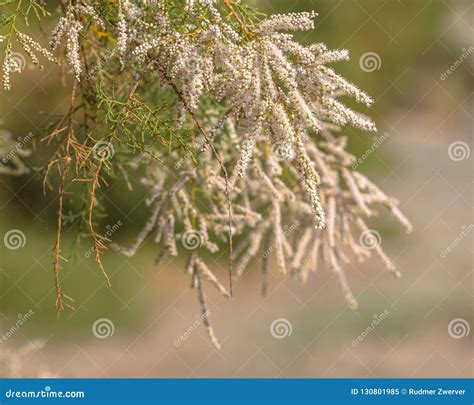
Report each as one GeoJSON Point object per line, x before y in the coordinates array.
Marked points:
{"type": "Point", "coordinates": [233, 122]}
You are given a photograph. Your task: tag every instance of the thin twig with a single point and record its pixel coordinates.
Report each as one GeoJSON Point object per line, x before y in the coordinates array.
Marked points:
{"type": "Point", "coordinates": [60, 304]}
{"type": "Point", "coordinates": [221, 164]}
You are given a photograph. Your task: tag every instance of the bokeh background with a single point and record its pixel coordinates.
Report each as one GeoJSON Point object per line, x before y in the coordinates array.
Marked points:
{"type": "Point", "coordinates": [423, 110]}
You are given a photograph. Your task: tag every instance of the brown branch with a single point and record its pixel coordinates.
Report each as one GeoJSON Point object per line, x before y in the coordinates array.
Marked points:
{"type": "Point", "coordinates": [228, 4]}
{"type": "Point", "coordinates": [221, 164]}
{"type": "Point", "coordinates": [205, 312]}
{"type": "Point", "coordinates": [61, 298]}
{"type": "Point", "coordinates": [98, 240]}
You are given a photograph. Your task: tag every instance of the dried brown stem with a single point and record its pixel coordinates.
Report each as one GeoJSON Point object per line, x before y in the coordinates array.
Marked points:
{"type": "Point", "coordinates": [99, 246]}
{"type": "Point", "coordinates": [61, 298]}
{"type": "Point", "coordinates": [228, 4]}
{"type": "Point", "coordinates": [221, 164]}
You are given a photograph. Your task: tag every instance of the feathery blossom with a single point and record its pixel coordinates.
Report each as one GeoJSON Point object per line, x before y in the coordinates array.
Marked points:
{"type": "Point", "coordinates": [259, 164]}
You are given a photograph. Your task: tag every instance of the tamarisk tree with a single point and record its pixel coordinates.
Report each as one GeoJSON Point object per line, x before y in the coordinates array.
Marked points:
{"type": "Point", "coordinates": [233, 121]}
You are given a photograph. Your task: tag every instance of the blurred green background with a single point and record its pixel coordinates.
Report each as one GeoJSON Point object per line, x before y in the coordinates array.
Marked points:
{"type": "Point", "coordinates": [416, 41]}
